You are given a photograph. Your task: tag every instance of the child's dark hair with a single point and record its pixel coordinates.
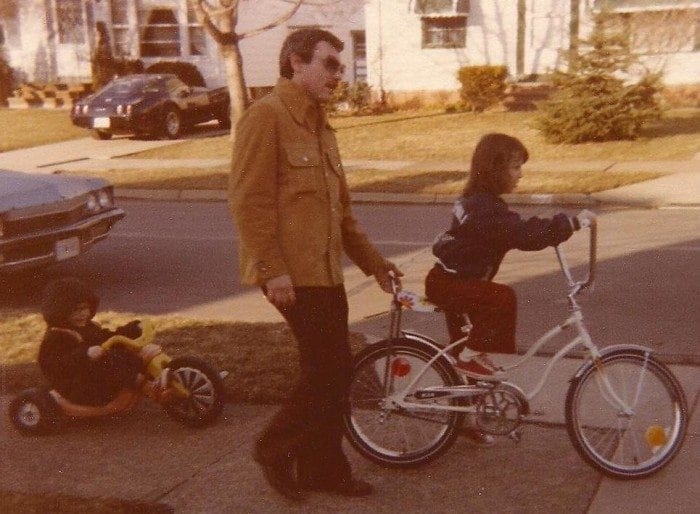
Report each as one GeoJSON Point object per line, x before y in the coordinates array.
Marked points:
{"type": "Point", "coordinates": [490, 162]}
{"type": "Point", "coordinates": [303, 43]}
{"type": "Point", "coordinates": [60, 298]}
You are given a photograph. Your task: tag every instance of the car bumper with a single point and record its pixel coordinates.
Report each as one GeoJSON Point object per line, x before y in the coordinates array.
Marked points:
{"type": "Point", "coordinates": [115, 124]}
{"type": "Point", "coordinates": [45, 247]}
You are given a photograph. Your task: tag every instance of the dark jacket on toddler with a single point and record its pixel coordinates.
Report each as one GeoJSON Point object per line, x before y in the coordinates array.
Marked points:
{"type": "Point", "coordinates": [483, 229]}
{"type": "Point", "coordinates": [63, 357]}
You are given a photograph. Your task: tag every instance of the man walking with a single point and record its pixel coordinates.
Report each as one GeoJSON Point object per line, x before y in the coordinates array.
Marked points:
{"type": "Point", "coordinates": [290, 200]}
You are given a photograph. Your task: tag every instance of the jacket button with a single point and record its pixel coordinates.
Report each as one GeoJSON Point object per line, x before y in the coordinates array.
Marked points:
{"type": "Point", "coordinates": [305, 159]}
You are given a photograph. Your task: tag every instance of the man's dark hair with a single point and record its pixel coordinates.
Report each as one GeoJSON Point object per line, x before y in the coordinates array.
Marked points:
{"type": "Point", "coordinates": [303, 43]}
{"type": "Point", "coordinates": [488, 173]}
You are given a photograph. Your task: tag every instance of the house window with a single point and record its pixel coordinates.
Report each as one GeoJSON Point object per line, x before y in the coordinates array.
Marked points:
{"type": "Point", "coordinates": [359, 56]}
{"type": "Point", "coordinates": [120, 27]}
{"type": "Point", "coordinates": [198, 44]}
{"type": "Point", "coordinates": [71, 24]}
{"type": "Point", "coordinates": [161, 34]}
{"type": "Point", "coordinates": [445, 32]}
{"type": "Point", "coordinates": [441, 7]}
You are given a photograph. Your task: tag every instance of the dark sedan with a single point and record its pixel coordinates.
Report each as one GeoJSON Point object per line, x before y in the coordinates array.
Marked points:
{"type": "Point", "coordinates": [51, 218]}
{"type": "Point", "coordinates": [150, 104]}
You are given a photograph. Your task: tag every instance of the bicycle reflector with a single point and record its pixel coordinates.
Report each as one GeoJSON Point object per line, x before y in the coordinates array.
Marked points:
{"type": "Point", "coordinates": [656, 436]}
{"type": "Point", "coordinates": [400, 367]}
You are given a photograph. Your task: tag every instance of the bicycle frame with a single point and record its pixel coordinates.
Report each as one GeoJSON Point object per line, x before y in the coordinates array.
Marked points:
{"type": "Point", "coordinates": [583, 338]}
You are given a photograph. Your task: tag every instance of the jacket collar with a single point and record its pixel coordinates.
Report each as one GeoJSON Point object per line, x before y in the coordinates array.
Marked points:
{"type": "Point", "coordinates": [302, 108]}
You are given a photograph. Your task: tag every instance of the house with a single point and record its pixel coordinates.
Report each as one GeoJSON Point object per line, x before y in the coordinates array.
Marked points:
{"type": "Point", "coordinates": [415, 47]}
{"type": "Point", "coordinates": [52, 40]}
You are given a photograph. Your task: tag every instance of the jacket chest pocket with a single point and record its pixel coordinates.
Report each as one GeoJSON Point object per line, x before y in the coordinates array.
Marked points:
{"type": "Point", "coordinates": [302, 168]}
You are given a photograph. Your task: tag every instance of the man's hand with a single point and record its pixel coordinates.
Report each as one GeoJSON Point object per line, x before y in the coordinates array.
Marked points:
{"type": "Point", "coordinates": [280, 291]}
{"type": "Point", "coordinates": [384, 277]}
{"type": "Point", "coordinates": [95, 352]}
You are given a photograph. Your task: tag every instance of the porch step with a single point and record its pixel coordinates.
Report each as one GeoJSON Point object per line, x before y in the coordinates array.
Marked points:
{"type": "Point", "coordinates": [48, 96]}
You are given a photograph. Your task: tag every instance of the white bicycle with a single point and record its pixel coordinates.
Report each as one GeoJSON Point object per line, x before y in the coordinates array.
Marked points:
{"type": "Point", "coordinates": [625, 411]}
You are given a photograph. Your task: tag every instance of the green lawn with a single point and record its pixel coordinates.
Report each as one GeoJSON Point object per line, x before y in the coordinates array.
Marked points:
{"type": "Point", "coordinates": [25, 128]}
{"type": "Point", "coordinates": [248, 350]}
{"type": "Point", "coordinates": [432, 135]}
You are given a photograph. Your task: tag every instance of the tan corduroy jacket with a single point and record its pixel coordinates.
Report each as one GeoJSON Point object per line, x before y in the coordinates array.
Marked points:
{"type": "Point", "coordinates": [289, 197]}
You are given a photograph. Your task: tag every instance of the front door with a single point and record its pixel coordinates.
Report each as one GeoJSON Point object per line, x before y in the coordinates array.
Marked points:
{"type": "Point", "coordinates": [71, 37]}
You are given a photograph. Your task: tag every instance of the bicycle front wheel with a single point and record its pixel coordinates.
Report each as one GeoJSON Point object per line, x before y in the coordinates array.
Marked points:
{"type": "Point", "coordinates": [626, 414]}
{"type": "Point", "coordinates": [400, 436]}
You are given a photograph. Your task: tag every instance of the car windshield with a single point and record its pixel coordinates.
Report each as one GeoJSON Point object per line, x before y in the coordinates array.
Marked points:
{"type": "Point", "coordinates": [124, 87]}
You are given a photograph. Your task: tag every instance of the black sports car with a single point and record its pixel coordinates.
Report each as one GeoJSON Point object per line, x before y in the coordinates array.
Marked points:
{"type": "Point", "coordinates": [153, 104]}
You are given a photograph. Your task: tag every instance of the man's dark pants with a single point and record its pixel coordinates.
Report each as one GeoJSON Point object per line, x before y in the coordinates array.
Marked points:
{"type": "Point", "coordinates": [309, 428]}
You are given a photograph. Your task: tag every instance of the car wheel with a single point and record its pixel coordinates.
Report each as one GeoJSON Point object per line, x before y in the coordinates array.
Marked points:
{"type": "Point", "coordinates": [101, 134]}
{"type": "Point", "coordinates": [172, 123]}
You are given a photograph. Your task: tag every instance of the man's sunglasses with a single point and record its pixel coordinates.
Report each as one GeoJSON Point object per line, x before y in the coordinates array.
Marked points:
{"type": "Point", "coordinates": [333, 65]}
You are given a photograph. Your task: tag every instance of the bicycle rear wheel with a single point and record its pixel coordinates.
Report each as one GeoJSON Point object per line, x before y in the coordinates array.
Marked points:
{"type": "Point", "coordinates": [632, 443]}
{"type": "Point", "coordinates": [393, 436]}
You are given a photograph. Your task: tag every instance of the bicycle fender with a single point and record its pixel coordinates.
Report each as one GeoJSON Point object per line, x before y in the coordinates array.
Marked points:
{"type": "Point", "coordinates": [609, 350]}
{"type": "Point", "coordinates": [415, 336]}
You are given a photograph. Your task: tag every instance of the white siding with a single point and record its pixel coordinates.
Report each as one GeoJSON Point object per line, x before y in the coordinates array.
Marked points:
{"type": "Point", "coordinates": [261, 52]}
{"type": "Point", "coordinates": [398, 63]}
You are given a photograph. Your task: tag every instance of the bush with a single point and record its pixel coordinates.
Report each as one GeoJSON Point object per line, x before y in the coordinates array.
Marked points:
{"type": "Point", "coordinates": [6, 80]}
{"type": "Point", "coordinates": [593, 102]}
{"type": "Point", "coordinates": [353, 98]}
{"type": "Point", "coordinates": [187, 72]}
{"type": "Point", "coordinates": [482, 86]}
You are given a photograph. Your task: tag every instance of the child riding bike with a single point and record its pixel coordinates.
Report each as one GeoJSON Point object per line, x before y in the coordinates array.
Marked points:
{"type": "Point", "coordinates": [470, 252]}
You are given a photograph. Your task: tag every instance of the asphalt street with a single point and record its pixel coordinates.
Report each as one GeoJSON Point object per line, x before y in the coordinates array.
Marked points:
{"type": "Point", "coordinates": [180, 258]}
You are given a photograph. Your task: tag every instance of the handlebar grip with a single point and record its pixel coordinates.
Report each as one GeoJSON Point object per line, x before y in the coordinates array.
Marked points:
{"type": "Point", "coordinates": [147, 334]}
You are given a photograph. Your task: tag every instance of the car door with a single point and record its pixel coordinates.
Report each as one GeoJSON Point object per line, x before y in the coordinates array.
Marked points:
{"type": "Point", "coordinates": [192, 104]}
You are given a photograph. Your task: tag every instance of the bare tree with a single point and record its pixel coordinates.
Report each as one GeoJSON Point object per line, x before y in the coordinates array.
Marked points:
{"type": "Point", "coordinates": [220, 18]}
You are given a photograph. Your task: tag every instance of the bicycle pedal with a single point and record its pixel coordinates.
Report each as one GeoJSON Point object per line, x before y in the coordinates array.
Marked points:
{"type": "Point", "coordinates": [516, 436]}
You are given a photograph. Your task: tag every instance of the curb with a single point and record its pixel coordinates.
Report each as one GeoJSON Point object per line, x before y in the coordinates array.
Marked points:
{"type": "Point", "coordinates": [572, 199]}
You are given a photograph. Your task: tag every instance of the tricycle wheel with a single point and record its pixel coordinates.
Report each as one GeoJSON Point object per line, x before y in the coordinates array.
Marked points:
{"type": "Point", "coordinates": [33, 412]}
{"type": "Point", "coordinates": [205, 390]}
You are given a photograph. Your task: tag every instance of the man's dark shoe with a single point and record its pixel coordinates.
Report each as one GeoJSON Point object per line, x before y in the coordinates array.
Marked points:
{"type": "Point", "coordinates": [352, 487]}
{"type": "Point", "coordinates": [278, 475]}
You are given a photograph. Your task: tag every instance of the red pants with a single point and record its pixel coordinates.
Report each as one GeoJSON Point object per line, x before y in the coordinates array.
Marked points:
{"type": "Point", "coordinates": [491, 308]}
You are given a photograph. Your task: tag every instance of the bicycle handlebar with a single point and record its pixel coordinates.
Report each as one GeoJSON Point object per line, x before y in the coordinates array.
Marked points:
{"type": "Point", "coordinates": [587, 220]}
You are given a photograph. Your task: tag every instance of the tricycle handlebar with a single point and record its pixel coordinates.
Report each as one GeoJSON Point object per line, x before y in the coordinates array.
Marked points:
{"type": "Point", "coordinates": [147, 334]}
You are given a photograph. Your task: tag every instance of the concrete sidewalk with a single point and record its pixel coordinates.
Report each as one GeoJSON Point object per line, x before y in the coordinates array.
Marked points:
{"type": "Point", "coordinates": [146, 457]}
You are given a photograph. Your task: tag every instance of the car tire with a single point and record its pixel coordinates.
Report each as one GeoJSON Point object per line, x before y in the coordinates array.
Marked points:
{"type": "Point", "coordinates": [102, 135]}
{"type": "Point", "coordinates": [172, 124]}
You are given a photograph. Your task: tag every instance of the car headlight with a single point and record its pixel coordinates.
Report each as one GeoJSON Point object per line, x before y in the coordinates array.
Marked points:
{"type": "Point", "coordinates": [85, 109]}
{"type": "Point", "coordinates": [92, 204]}
{"type": "Point", "coordinates": [104, 198]}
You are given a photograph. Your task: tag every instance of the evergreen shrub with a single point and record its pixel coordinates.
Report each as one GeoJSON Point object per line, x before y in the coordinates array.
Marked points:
{"type": "Point", "coordinates": [597, 99]}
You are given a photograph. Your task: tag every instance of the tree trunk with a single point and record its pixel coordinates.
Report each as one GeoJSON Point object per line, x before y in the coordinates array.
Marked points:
{"type": "Point", "coordinates": [236, 83]}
